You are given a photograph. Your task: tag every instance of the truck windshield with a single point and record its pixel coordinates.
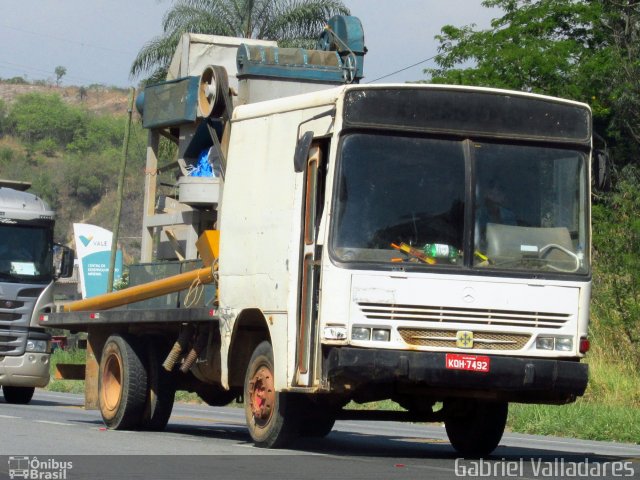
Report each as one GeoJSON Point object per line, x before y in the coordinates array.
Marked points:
{"type": "Point", "coordinates": [25, 253]}
{"type": "Point", "coordinates": [401, 200]}
{"type": "Point", "coordinates": [530, 208]}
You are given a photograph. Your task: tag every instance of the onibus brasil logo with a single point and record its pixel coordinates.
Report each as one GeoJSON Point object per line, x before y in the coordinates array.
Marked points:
{"type": "Point", "coordinates": [34, 468]}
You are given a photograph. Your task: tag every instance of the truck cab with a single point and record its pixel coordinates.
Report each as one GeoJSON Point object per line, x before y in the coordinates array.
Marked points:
{"type": "Point", "coordinates": [26, 282]}
{"type": "Point", "coordinates": [432, 247]}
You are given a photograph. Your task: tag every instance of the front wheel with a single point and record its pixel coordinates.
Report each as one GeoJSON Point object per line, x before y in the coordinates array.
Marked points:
{"type": "Point", "coordinates": [18, 395]}
{"type": "Point", "coordinates": [475, 427]}
{"type": "Point", "coordinates": [272, 417]}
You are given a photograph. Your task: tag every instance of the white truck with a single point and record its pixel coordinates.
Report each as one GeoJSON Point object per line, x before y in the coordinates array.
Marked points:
{"type": "Point", "coordinates": [428, 244]}
{"type": "Point", "coordinates": [27, 272]}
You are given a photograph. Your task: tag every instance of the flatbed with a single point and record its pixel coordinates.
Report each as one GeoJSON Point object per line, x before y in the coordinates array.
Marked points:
{"type": "Point", "coordinates": [81, 321]}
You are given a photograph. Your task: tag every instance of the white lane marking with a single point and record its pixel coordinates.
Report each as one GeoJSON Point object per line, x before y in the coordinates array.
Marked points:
{"type": "Point", "coordinates": [182, 438]}
{"type": "Point", "coordinates": [8, 416]}
{"type": "Point", "coordinates": [576, 443]}
{"type": "Point", "coordinates": [49, 422]}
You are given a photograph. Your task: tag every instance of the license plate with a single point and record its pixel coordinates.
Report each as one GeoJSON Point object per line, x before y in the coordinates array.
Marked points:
{"type": "Point", "coordinates": [473, 363]}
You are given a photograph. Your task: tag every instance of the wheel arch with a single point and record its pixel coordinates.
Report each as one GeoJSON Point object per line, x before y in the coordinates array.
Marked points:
{"type": "Point", "coordinates": [250, 329]}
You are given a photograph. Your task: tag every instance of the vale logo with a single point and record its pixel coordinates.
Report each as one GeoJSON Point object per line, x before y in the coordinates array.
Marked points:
{"type": "Point", "coordinates": [86, 240]}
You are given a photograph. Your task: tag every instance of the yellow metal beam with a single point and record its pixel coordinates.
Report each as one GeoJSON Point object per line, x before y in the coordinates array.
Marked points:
{"type": "Point", "coordinates": [142, 292]}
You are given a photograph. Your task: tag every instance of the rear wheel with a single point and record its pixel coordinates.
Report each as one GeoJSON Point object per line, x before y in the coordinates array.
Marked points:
{"type": "Point", "coordinates": [475, 427]}
{"type": "Point", "coordinates": [272, 417]}
{"type": "Point", "coordinates": [18, 395]}
{"type": "Point", "coordinates": [122, 387]}
{"type": "Point", "coordinates": [161, 390]}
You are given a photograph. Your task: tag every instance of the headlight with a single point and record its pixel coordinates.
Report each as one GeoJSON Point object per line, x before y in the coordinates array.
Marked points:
{"type": "Point", "coordinates": [380, 335]}
{"type": "Point", "coordinates": [545, 343]}
{"type": "Point", "coordinates": [37, 346]}
{"type": "Point", "coordinates": [335, 333]}
{"type": "Point", "coordinates": [360, 333]}
{"type": "Point", "coordinates": [559, 344]}
{"type": "Point", "coordinates": [564, 344]}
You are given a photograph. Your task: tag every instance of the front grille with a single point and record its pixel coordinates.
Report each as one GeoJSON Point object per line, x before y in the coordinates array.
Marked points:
{"type": "Point", "coordinates": [470, 316]}
{"type": "Point", "coordinates": [9, 317]}
{"type": "Point", "coordinates": [11, 304]}
{"type": "Point", "coordinates": [30, 292]}
{"type": "Point", "coordinates": [425, 337]}
{"type": "Point", "coordinates": [12, 342]}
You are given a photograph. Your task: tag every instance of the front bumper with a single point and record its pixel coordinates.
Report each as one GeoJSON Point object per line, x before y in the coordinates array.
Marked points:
{"type": "Point", "coordinates": [517, 379]}
{"type": "Point", "coordinates": [28, 370]}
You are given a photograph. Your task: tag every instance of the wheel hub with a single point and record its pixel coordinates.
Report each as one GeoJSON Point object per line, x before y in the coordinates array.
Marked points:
{"type": "Point", "coordinates": [262, 395]}
{"type": "Point", "coordinates": [112, 382]}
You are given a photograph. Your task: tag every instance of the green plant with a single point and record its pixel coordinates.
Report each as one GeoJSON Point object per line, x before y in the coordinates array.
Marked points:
{"type": "Point", "coordinates": [16, 81]}
{"type": "Point", "coordinates": [6, 154]}
{"type": "Point", "coordinates": [60, 72]}
{"type": "Point", "coordinates": [34, 117]}
{"type": "Point", "coordinates": [616, 284]}
{"type": "Point", "coordinates": [588, 420]}
{"type": "Point", "coordinates": [122, 282]}
{"type": "Point", "coordinates": [75, 356]}
{"type": "Point", "coordinates": [47, 146]}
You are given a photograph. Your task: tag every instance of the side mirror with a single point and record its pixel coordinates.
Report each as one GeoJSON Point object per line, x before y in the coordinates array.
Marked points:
{"type": "Point", "coordinates": [601, 170]}
{"type": "Point", "coordinates": [63, 261]}
{"type": "Point", "coordinates": [302, 152]}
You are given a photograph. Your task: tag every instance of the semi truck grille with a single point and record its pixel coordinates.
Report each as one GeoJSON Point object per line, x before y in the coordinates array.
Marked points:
{"type": "Point", "coordinates": [30, 292]}
{"type": "Point", "coordinates": [9, 317]}
{"type": "Point", "coordinates": [424, 337]}
{"type": "Point", "coordinates": [12, 343]}
{"type": "Point", "coordinates": [470, 316]}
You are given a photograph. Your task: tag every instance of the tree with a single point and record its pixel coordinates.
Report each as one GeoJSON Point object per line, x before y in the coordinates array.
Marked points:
{"type": "Point", "coordinates": [587, 50]}
{"type": "Point", "coordinates": [35, 117]}
{"type": "Point", "coordinates": [60, 72]}
{"type": "Point", "coordinates": [291, 22]}
{"type": "Point", "coordinates": [621, 24]}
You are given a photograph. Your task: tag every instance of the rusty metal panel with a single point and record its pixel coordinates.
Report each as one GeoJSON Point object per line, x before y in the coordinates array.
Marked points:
{"type": "Point", "coordinates": [95, 342]}
{"type": "Point", "coordinates": [171, 103]}
{"type": "Point", "coordinates": [69, 371]}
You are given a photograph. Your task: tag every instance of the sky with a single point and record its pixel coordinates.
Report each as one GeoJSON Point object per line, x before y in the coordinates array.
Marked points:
{"type": "Point", "coordinates": [97, 40]}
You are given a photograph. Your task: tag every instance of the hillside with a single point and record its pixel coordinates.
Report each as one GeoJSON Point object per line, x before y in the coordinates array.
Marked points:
{"type": "Point", "coordinates": [67, 141]}
{"type": "Point", "coordinates": [96, 98]}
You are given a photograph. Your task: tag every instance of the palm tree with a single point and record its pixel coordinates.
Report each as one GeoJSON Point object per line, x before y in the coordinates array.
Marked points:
{"type": "Point", "coordinates": [292, 22]}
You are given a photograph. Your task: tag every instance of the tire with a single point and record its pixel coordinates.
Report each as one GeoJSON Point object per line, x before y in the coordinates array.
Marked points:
{"type": "Point", "coordinates": [18, 395]}
{"type": "Point", "coordinates": [475, 427]}
{"type": "Point", "coordinates": [317, 426]}
{"type": "Point", "coordinates": [317, 418]}
{"type": "Point", "coordinates": [161, 389]}
{"type": "Point", "coordinates": [216, 396]}
{"type": "Point", "coordinates": [272, 417]}
{"type": "Point", "coordinates": [122, 383]}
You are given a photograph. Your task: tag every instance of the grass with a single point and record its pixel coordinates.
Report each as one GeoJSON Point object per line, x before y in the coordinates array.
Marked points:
{"type": "Point", "coordinates": [582, 419]}
{"type": "Point", "coordinates": [609, 410]}
{"type": "Point", "coordinates": [66, 356]}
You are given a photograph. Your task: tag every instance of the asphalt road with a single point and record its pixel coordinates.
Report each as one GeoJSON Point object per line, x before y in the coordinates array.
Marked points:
{"type": "Point", "coordinates": [58, 439]}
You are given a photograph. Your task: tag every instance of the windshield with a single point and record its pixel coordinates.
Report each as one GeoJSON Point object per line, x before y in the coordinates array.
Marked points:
{"type": "Point", "coordinates": [25, 253]}
{"type": "Point", "coordinates": [401, 200]}
{"type": "Point", "coordinates": [530, 208]}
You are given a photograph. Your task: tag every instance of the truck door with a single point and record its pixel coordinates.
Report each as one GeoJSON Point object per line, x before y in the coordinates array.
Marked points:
{"type": "Point", "coordinates": [311, 252]}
